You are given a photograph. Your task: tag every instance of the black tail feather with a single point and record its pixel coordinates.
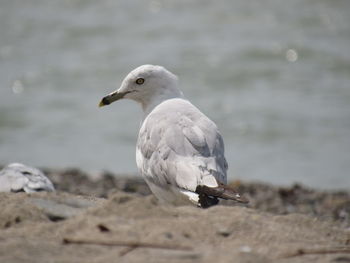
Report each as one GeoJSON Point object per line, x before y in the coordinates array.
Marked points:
{"type": "Point", "coordinates": [206, 201]}
{"type": "Point", "coordinates": [220, 191]}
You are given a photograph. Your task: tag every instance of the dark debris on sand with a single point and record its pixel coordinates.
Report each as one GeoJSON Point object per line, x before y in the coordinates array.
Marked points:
{"type": "Point", "coordinates": [76, 181]}
{"type": "Point", "coordinates": [325, 205]}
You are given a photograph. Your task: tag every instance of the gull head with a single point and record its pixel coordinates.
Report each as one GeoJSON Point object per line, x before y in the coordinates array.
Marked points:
{"type": "Point", "coordinates": [147, 84]}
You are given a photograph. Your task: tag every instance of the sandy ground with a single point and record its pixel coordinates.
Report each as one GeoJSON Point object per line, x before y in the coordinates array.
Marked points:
{"type": "Point", "coordinates": [116, 220]}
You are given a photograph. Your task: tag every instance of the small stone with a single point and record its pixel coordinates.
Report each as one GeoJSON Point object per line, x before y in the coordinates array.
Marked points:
{"type": "Point", "coordinates": [224, 232]}
{"type": "Point", "coordinates": [245, 249]}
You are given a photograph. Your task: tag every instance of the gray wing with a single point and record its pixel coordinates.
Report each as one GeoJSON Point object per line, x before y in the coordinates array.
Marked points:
{"type": "Point", "coordinates": [181, 146]}
{"type": "Point", "coordinates": [17, 177]}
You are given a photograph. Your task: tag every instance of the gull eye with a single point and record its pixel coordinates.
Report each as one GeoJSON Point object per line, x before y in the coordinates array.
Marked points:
{"type": "Point", "coordinates": [140, 81]}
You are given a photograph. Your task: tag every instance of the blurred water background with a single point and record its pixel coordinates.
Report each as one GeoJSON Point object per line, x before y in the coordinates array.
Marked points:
{"type": "Point", "coordinates": [274, 75]}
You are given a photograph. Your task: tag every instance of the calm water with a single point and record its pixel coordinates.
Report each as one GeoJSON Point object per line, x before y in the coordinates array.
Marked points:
{"type": "Point", "coordinates": [274, 75]}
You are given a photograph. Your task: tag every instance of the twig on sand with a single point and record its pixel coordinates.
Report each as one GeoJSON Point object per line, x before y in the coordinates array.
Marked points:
{"type": "Point", "coordinates": [319, 251]}
{"type": "Point", "coordinates": [131, 245]}
{"type": "Point", "coordinates": [126, 250]}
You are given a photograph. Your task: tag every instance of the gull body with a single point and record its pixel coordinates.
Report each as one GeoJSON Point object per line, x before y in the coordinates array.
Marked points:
{"type": "Point", "coordinates": [179, 152]}
{"type": "Point", "coordinates": [17, 177]}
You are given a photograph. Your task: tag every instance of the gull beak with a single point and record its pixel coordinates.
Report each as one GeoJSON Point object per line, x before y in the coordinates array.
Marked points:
{"type": "Point", "coordinates": [111, 98]}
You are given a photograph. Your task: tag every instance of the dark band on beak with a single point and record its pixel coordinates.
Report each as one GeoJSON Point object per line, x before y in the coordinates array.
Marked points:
{"type": "Point", "coordinates": [105, 101]}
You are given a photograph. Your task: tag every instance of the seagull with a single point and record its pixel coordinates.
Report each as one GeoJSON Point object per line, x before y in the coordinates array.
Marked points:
{"type": "Point", "coordinates": [179, 151]}
{"type": "Point", "coordinates": [17, 177]}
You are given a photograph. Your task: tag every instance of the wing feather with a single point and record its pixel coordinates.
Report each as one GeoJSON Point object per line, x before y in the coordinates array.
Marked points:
{"type": "Point", "coordinates": [182, 147]}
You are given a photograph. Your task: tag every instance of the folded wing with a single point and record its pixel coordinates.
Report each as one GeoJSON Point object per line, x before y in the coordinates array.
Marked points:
{"type": "Point", "coordinates": [182, 147]}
